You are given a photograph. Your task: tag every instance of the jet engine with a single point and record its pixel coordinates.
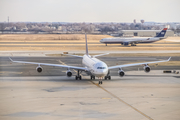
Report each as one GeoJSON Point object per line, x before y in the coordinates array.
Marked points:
{"type": "Point", "coordinates": [125, 43]}
{"type": "Point", "coordinates": [69, 73]}
{"type": "Point", "coordinates": [121, 73]}
{"type": "Point", "coordinates": [39, 69]}
{"type": "Point", "coordinates": [147, 69]}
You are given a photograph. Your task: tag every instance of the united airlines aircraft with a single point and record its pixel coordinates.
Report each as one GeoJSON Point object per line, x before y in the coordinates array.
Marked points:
{"type": "Point", "coordinates": [134, 41]}
{"type": "Point", "coordinates": [92, 66]}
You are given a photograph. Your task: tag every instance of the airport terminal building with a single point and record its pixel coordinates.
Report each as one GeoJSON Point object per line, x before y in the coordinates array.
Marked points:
{"type": "Point", "coordinates": [146, 33]}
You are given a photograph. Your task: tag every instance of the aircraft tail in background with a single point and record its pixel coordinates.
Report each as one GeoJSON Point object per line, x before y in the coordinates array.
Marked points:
{"type": "Point", "coordinates": [162, 33]}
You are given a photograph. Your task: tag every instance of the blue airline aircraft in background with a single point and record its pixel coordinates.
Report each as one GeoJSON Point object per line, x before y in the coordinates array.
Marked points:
{"type": "Point", "coordinates": [134, 41]}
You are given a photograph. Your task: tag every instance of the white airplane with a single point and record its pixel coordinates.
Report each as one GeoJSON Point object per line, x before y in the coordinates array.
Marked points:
{"type": "Point", "coordinates": [134, 41]}
{"type": "Point", "coordinates": [92, 66]}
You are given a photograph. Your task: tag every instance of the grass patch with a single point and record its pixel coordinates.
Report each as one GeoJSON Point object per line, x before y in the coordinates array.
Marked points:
{"type": "Point", "coordinates": [57, 37]}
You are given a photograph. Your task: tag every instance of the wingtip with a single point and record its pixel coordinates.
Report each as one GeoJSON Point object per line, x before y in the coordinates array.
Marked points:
{"type": "Point", "coordinates": [169, 59]}
{"type": "Point", "coordinates": [11, 59]}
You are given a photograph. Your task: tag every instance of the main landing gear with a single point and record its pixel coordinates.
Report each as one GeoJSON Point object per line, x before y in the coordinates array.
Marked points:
{"type": "Point", "coordinates": [92, 77]}
{"type": "Point", "coordinates": [133, 44]}
{"type": "Point", "coordinates": [78, 76]}
{"type": "Point", "coordinates": [107, 77]}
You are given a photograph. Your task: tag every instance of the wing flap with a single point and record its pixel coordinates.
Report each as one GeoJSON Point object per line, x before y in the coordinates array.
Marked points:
{"type": "Point", "coordinates": [132, 41]}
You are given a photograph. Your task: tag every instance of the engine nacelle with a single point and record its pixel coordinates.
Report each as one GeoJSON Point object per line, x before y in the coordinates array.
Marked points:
{"type": "Point", "coordinates": [147, 69]}
{"type": "Point", "coordinates": [69, 73]}
{"type": "Point", "coordinates": [125, 43]}
{"type": "Point", "coordinates": [39, 69]}
{"type": "Point", "coordinates": [121, 73]}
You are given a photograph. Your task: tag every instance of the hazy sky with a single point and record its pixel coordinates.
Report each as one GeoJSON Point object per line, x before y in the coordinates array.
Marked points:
{"type": "Point", "coordinates": [89, 10]}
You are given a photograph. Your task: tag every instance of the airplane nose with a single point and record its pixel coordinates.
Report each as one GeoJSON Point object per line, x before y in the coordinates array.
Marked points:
{"type": "Point", "coordinates": [101, 40]}
{"type": "Point", "coordinates": [104, 72]}
{"type": "Point", "coordinates": [101, 73]}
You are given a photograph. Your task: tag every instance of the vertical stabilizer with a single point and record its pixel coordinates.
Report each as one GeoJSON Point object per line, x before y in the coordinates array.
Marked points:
{"type": "Point", "coordinates": [86, 45]}
{"type": "Point", "coordinates": [162, 33]}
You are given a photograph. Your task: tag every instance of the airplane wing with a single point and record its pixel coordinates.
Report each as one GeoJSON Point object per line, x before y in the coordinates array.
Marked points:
{"type": "Point", "coordinates": [132, 41]}
{"type": "Point", "coordinates": [135, 64]}
{"type": "Point", "coordinates": [48, 64]}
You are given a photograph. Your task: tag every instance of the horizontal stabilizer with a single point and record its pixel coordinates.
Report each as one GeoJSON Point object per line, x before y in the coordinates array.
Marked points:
{"type": "Point", "coordinates": [74, 55]}
{"type": "Point", "coordinates": [100, 55]}
{"type": "Point", "coordinates": [11, 59]}
{"type": "Point", "coordinates": [169, 59]}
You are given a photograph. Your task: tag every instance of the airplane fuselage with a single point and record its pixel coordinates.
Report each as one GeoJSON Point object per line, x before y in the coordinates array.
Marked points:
{"type": "Point", "coordinates": [132, 40]}
{"type": "Point", "coordinates": [95, 66]}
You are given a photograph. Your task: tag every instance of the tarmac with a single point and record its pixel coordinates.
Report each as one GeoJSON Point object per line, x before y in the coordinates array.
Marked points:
{"type": "Point", "coordinates": [26, 94]}
{"type": "Point", "coordinates": [79, 45]}
{"type": "Point", "coordinates": [39, 53]}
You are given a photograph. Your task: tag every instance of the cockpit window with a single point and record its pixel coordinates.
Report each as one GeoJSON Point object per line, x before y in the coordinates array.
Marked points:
{"type": "Point", "coordinates": [101, 67]}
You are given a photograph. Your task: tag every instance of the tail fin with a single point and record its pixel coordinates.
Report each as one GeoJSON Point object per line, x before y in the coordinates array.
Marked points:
{"type": "Point", "coordinates": [162, 33]}
{"type": "Point", "coordinates": [86, 45]}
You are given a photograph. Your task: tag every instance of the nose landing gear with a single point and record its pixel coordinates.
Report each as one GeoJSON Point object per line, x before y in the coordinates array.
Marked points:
{"type": "Point", "coordinates": [100, 81]}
